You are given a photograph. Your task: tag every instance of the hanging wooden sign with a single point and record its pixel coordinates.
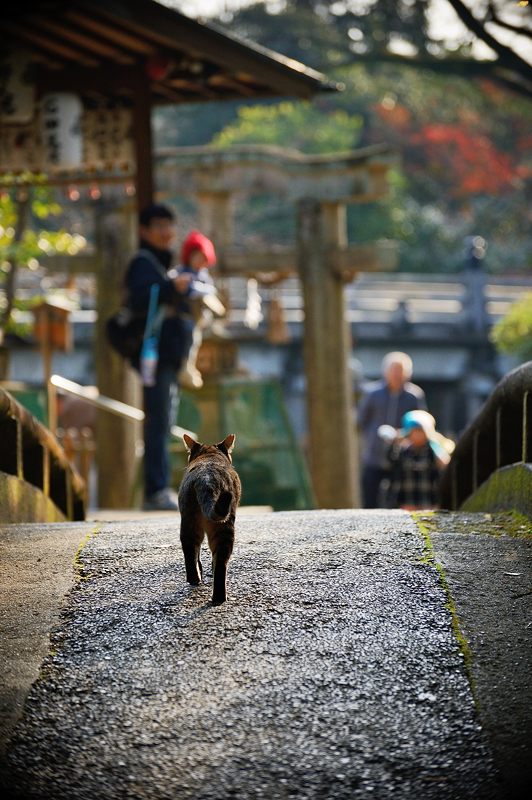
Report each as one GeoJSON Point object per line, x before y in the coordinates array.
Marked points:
{"type": "Point", "coordinates": [62, 140]}
{"type": "Point", "coordinates": [20, 148]}
{"type": "Point", "coordinates": [61, 136]}
{"type": "Point", "coordinates": [107, 139]}
{"type": "Point", "coordinates": [17, 92]}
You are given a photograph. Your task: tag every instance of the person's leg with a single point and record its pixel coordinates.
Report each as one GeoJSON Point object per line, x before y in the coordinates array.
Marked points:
{"type": "Point", "coordinates": [159, 404]}
{"type": "Point", "coordinates": [371, 480]}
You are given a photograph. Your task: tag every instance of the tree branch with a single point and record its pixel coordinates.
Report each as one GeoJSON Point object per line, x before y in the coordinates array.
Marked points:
{"type": "Point", "coordinates": [506, 54]}
{"type": "Point", "coordinates": [493, 17]}
{"type": "Point", "coordinates": [452, 66]}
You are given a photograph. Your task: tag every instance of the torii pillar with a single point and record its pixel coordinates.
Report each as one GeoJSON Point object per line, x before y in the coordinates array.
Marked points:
{"type": "Point", "coordinates": [333, 459]}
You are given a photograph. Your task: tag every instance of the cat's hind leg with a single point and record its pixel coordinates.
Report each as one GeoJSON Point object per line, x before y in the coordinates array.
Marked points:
{"type": "Point", "coordinates": [191, 538]}
{"type": "Point", "coordinates": [221, 541]}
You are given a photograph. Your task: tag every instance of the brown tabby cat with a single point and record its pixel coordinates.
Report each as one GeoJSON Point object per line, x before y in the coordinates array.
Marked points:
{"type": "Point", "coordinates": [208, 498]}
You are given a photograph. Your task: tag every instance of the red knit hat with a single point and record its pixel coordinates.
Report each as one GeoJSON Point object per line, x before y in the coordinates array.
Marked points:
{"type": "Point", "coordinates": [197, 241]}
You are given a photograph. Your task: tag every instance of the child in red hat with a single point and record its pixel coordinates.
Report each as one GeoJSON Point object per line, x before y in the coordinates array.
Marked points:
{"type": "Point", "coordinates": [200, 300]}
{"type": "Point", "coordinates": [197, 255]}
{"type": "Point", "coordinates": [198, 251]}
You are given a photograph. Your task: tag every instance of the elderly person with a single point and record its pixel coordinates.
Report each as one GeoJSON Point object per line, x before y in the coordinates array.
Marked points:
{"type": "Point", "coordinates": [385, 404]}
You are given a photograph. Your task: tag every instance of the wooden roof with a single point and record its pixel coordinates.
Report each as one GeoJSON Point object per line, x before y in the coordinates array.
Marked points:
{"type": "Point", "coordinates": [107, 46]}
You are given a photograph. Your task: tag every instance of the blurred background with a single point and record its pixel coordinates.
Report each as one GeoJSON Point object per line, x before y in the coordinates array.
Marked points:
{"type": "Point", "coordinates": [446, 85]}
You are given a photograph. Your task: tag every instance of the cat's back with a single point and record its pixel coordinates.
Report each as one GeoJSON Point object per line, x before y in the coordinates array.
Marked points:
{"type": "Point", "coordinates": [211, 469]}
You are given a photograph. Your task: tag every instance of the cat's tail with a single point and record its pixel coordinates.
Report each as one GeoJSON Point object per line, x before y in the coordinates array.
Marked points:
{"type": "Point", "coordinates": [216, 509]}
{"type": "Point", "coordinates": [222, 505]}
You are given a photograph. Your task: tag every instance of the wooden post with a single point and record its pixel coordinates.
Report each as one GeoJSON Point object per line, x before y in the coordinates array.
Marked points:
{"type": "Point", "coordinates": [116, 438]}
{"type": "Point", "coordinates": [46, 357]}
{"type": "Point", "coordinates": [143, 140]}
{"type": "Point", "coordinates": [326, 345]}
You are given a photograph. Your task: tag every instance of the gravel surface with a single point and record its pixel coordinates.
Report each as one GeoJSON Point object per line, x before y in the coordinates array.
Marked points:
{"type": "Point", "coordinates": [331, 672]}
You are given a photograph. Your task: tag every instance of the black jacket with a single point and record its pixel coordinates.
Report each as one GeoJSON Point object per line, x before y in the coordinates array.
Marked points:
{"type": "Point", "coordinates": [147, 267]}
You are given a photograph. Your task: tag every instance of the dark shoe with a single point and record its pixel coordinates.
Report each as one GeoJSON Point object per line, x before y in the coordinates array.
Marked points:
{"type": "Point", "coordinates": [164, 500]}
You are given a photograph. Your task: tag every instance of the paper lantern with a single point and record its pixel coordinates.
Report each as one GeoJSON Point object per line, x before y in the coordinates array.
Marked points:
{"type": "Point", "coordinates": [158, 67]}
{"type": "Point", "coordinates": [61, 130]}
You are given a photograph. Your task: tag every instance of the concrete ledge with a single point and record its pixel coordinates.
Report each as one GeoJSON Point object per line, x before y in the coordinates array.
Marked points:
{"type": "Point", "coordinates": [37, 569]}
{"type": "Point", "coordinates": [22, 502]}
{"type": "Point", "coordinates": [510, 488]}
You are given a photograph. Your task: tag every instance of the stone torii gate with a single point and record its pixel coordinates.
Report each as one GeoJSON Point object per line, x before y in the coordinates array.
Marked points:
{"type": "Point", "coordinates": [319, 187]}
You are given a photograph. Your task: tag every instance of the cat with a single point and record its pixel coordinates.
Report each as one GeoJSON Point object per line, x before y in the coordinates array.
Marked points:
{"type": "Point", "coordinates": [208, 498]}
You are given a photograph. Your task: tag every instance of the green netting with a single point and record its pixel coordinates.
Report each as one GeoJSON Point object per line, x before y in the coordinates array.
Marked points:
{"type": "Point", "coordinates": [267, 456]}
{"type": "Point", "coordinates": [33, 399]}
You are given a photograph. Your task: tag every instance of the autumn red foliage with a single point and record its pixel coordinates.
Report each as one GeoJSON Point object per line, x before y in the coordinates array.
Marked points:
{"type": "Point", "coordinates": [470, 159]}
{"type": "Point", "coordinates": [459, 155]}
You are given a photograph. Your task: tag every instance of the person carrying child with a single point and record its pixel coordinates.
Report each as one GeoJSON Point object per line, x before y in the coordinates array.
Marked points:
{"type": "Point", "coordinates": [162, 295]}
{"type": "Point", "coordinates": [417, 454]}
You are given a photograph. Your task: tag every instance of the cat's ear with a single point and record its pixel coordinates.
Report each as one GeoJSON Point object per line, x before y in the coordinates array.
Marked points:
{"type": "Point", "coordinates": [228, 444]}
{"type": "Point", "coordinates": [190, 443]}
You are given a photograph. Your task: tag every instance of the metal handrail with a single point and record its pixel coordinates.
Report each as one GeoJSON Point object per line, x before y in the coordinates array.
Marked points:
{"type": "Point", "coordinates": [92, 396]}
{"type": "Point", "coordinates": [500, 435]}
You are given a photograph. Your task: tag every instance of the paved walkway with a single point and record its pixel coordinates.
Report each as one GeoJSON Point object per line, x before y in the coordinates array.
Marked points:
{"type": "Point", "coordinates": [335, 670]}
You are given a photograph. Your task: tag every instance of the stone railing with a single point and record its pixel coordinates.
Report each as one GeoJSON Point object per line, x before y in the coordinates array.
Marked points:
{"type": "Point", "coordinates": [500, 436]}
{"type": "Point", "coordinates": [34, 470]}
